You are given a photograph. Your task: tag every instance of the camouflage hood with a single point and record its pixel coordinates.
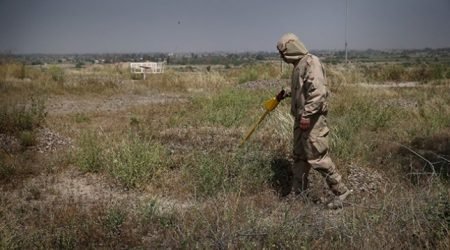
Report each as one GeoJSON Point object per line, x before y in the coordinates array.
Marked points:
{"type": "Point", "coordinates": [291, 47]}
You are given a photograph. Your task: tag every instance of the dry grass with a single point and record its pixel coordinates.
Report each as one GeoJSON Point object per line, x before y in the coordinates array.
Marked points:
{"type": "Point", "coordinates": [170, 174]}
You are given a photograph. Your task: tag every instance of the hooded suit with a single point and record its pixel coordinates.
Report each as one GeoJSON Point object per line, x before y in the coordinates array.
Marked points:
{"type": "Point", "coordinates": [309, 94]}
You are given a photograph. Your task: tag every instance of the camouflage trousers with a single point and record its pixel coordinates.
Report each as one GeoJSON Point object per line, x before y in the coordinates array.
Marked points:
{"type": "Point", "coordinates": [311, 151]}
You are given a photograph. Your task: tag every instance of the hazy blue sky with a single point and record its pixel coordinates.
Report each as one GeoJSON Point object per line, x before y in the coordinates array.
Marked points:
{"type": "Point", "coordinates": [84, 26]}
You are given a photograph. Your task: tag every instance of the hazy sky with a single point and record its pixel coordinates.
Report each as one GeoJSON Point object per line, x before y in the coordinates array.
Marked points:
{"type": "Point", "coordinates": [85, 26]}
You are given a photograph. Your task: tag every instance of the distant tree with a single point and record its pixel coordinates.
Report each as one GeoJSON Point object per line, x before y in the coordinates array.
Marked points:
{"type": "Point", "coordinates": [79, 65]}
{"type": "Point", "coordinates": [260, 57]}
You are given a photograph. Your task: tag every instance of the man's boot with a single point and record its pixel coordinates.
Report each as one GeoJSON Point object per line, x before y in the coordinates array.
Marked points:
{"type": "Point", "coordinates": [338, 201]}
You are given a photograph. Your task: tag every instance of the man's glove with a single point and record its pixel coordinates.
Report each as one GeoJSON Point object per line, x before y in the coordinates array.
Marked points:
{"type": "Point", "coordinates": [281, 95]}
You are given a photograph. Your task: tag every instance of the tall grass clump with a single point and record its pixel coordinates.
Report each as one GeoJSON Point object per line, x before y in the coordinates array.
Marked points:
{"type": "Point", "coordinates": [131, 161]}
{"type": "Point", "coordinates": [135, 161]}
{"type": "Point", "coordinates": [22, 119]}
{"type": "Point", "coordinates": [90, 155]}
{"type": "Point", "coordinates": [230, 108]}
{"type": "Point", "coordinates": [12, 69]}
{"type": "Point", "coordinates": [212, 173]}
{"type": "Point", "coordinates": [355, 117]}
{"type": "Point", "coordinates": [186, 81]}
{"type": "Point", "coordinates": [7, 169]}
{"type": "Point", "coordinates": [16, 117]}
{"type": "Point", "coordinates": [57, 74]}
{"type": "Point", "coordinates": [253, 72]}
{"type": "Point", "coordinates": [388, 72]}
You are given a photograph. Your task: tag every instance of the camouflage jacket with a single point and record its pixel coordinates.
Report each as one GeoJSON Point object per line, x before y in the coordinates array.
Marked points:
{"type": "Point", "coordinates": [309, 90]}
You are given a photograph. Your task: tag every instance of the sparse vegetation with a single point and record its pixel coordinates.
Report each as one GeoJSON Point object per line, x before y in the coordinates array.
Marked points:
{"type": "Point", "coordinates": [168, 173]}
{"type": "Point", "coordinates": [90, 155]}
{"type": "Point", "coordinates": [16, 116]}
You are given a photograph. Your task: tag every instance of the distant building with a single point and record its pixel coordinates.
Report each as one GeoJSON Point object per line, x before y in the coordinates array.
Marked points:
{"type": "Point", "coordinates": [147, 68]}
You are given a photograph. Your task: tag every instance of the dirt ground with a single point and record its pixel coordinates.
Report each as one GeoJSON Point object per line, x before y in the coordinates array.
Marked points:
{"type": "Point", "coordinates": [90, 188]}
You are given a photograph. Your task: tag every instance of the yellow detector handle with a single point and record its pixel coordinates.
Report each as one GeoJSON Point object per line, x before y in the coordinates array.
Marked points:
{"type": "Point", "coordinates": [269, 105]}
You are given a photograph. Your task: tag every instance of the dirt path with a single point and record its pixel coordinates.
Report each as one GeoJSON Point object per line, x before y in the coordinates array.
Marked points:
{"type": "Point", "coordinates": [74, 104]}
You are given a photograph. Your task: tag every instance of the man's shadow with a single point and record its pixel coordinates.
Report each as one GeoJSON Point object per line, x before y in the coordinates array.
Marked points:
{"type": "Point", "coordinates": [282, 176]}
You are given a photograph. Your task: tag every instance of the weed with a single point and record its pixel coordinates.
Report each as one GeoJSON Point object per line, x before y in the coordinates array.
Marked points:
{"type": "Point", "coordinates": [57, 74]}
{"type": "Point", "coordinates": [7, 170]}
{"type": "Point", "coordinates": [27, 138]}
{"type": "Point", "coordinates": [236, 206]}
{"type": "Point", "coordinates": [135, 161]}
{"type": "Point", "coordinates": [208, 174]}
{"type": "Point", "coordinates": [113, 221]}
{"type": "Point", "coordinates": [150, 210]}
{"type": "Point", "coordinates": [258, 72]}
{"type": "Point", "coordinates": [229, 109]}
{"type": "Point", "coordinates": [212, 173]}
{"type": "Point", "coordinates": [16, 117]}
{"type": "Point", "coordinates": [81, 118]}
{"type": "Point", "coordinates": [90, 156]}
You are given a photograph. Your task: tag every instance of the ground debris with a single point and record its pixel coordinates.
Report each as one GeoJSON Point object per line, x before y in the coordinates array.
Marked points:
{"type": "Point", "coordinates": [9, 143]}
{"type": "Point", "coordinates": [265, 84]}
{"type": "Point", "coordinates": [49, 141]}
{"type": "Point", "coordinates": [186, 139]}
{"type": "Point", "coordinates": [364, 179]}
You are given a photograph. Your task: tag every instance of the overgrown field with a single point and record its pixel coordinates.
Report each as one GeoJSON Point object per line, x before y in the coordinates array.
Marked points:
{"type": "Point", "coordinates": [97, 158]}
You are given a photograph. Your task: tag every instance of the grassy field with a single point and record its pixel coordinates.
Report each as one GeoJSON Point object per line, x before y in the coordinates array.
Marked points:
{"type": "Point", "coordinates": [98, 158]}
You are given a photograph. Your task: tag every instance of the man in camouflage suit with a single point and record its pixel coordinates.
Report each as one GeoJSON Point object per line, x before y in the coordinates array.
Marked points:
{"type": "Point", "coordinates": [309, 107]}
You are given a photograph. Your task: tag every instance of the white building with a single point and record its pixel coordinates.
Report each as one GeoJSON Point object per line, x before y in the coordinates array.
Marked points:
{"type": "Point", "coordinates": [147, 68]}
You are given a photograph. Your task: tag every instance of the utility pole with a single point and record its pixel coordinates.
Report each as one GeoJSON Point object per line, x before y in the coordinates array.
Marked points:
{"type": "Point", "coordinates": [346, 14]}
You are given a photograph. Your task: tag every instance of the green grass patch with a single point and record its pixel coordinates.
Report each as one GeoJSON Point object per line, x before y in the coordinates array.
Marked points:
{"type": "Point", "coordinates": [90, 155]}
{"type": "Point", "coordinates": [230, 108]}
{"type": "Point", "coordinates": [135, 161]}
{"type": "Point", "coordinates": [212, 173]}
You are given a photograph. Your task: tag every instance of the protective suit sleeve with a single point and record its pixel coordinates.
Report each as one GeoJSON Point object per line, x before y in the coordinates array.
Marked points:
{"type": "Point", "coordinates": [316, 92]}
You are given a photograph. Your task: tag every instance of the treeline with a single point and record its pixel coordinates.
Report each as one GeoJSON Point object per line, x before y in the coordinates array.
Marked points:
{"type": "Point", "coordinates": [226, 58]}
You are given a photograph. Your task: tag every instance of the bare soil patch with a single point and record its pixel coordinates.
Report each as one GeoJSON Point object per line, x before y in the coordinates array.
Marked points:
{"type": "Point", "coordinates": [67, 105]}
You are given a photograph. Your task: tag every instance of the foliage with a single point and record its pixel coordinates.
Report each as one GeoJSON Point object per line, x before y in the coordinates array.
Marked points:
{"type": "Point", "coordinates": [229, 108]}
{"type": "Point", "coordinates": [136, 161]}
{"type": "Point", "coordinates": [90, 155]}
{"type": "Point", "coordinates": [171, 175]}
{"type": "Point", "coordinates": [57, 74]}
{"type": "Point", "coordinates": [259, 71]}
{"type": "Point", "coordinates": [211, 174]}
{"type": "Point", "coordinates": [16, 117]}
